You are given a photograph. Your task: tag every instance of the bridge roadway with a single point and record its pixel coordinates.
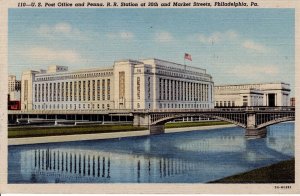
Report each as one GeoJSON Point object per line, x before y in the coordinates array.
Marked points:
{"type": "Point", "coordinates": [253, 119]}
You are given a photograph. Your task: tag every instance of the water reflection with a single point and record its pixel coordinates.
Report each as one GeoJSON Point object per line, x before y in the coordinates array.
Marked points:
{"type": "Point", "coordinates": [183, 157]}
{"type": "Point", "coordinates": [67, 165]}
{"type": "Point", "coordinates": [219, 144]}
{"type": "Point", "coordinates": [65, 162]}
{"type": "Point", "coordinates": [281, 139]}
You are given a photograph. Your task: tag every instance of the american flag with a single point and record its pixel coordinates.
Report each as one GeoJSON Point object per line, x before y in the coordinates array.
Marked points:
{"type": "Point", "coordinates": [188, 56]}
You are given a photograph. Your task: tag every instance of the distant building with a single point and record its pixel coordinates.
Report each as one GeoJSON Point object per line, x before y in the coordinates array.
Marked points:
{"type": "Point", "coordinates": [292, 101]}
{"type": "Point", "coordinates": [264, 94]}
{"type": "Point", "coordinates": [128, 84]}
{"type": "Point", "coordinates": [14, 88]}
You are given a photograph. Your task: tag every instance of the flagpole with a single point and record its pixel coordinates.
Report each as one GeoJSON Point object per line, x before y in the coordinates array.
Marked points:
{"type": "Point", "coordinates": [184, 62]}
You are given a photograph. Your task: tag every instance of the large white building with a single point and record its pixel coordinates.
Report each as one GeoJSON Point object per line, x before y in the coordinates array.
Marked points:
{"type": "Point", "coordinates": [128, 84]}
{"type": "Point", "coordinates": [263, 94]}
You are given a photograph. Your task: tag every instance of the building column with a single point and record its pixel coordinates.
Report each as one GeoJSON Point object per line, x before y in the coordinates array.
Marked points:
{"type": "Point", "coordinates": [180, 90]}
{"type": "Point", "coordinates": [170, 89]}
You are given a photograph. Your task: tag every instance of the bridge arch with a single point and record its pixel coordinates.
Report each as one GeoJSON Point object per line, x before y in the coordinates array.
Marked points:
{"type": "Point", "coordinates": [166, 119]}
{"type": "Point", "coordinates": [275, 121]}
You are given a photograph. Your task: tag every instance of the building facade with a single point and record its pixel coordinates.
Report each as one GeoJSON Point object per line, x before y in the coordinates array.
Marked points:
{"type": "Point", "coordinates": [264, 94]}
{"type": "Point", "coordinates": [128, 84]}
{"type": "Point", "coordinates": [14, 88]}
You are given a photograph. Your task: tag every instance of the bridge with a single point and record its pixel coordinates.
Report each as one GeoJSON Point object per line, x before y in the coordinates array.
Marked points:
{"type": "Point", "coordinates": [253, 119]}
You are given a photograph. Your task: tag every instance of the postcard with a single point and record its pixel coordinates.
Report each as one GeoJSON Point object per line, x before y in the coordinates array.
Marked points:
{"type": "Point", "coordinates": [149, 96]}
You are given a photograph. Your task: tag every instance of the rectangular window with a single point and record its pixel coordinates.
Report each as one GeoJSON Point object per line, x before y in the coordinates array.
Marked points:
{"type": "Point", "coordinates": [58, 91]}
{"type": "Point", "coordinates": [108, 89]}
{"type": "Point", "coordinates": [207, 92]}
{"type": "Point", "coordinates": [245, 101]}
{"type": "Point", "coordinates": [51, 92]}
{"type": "Point", "coordinates": [195, 92]}
{"type": "Point", "coordinates": [175, 91]}
{"type": "Point", "coordinates": [43, 93]}
{"type": "Point", "coordinates": [54, 92]}
{"type": "Point", "coordinates": [75, 91]}
{"type": "Point", "coordinates": [202, 94]}
{"type": "Point", "coordinates": [71, 91]}
{"type": "Point", "coordinates": [67, 91]}
{"type": "Point", "coordinates": [160, 89]}
{"type": "Point", "coordinates": [181, 90]}
{"type": "Point", "coordinates": [62, 91]}
{"type": "Point", "coordinates": [98, 90]}
{"type": "Point", "coordinates": [149, 88]}
{"type": "Point", "coordinates": [168, 90]}
{"type": "Point", "coordinates": [164, 89]}
{"type": "Point", "coordinates": [138, 87]}
{"type": "Point", "coordinates": [35, 92]}
{"type": "Point", "coordinates": [103, 89]}
{"type": "Point", "coordinates": [83, 88]}
{"type": "Point", "coordinates": [89, 90]}
{"type": "Point", "coordinates": [79, 91]}
{"type": "Point", "coordinates": [121, 85]}
{"type": "Point", "coordinates": [171, 89]}
{"type": "Point", "coordinates": [46, 92]}
{"type": "Point", "coordinates": [94, 90]}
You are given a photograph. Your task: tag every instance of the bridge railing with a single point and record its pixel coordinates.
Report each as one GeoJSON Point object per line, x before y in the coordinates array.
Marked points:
{"type": "Point", "coordinates": [224, 109]}
{"type": "Point", "coordinates": [123, 111]}
{"type": "Point", "coordinates": [69, 111]}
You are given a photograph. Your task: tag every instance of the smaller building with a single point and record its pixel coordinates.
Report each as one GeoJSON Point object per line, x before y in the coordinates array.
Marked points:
{"type": "Point", "coordinates": [292, 101]}
{"type": "Point", "coordinates": [264, 94]}
{"type": "Point", "coordinates": [14, 88]}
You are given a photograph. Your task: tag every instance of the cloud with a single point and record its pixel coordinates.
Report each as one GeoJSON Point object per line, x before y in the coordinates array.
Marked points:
{"type": "Point", "coordinates": [231, 37]}
{"type": "Point", "coordinates": [46, 55]}
{"type": "Point", "coordinates": [62, 29]}
{"type": "Point", "coordinates": [124, 35]}
{"type": "Point", "coordinates": [254, 71]}
{"type": "Point", "coordinates": [216, 37]}
{"type": "Point", "coordinates": [163, 36]}
{"type": "Point", "coordinates": [254, 46]}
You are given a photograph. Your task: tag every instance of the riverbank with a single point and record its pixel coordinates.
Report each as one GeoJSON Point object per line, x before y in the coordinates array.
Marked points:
{"type": "Point", "coordinates": [282, 172]}
{"type": "Point", "coordinates": [41, 131]}
{"type": "Point", "coordinates": [104, 135]}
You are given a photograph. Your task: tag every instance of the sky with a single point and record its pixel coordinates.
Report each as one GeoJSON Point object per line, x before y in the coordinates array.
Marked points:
{"type": "Point", "coordinates": [234, 45]}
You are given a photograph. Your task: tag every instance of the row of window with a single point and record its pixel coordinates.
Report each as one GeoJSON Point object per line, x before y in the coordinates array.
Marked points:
{"type": "Point", "coordinates": [251, 86]}
{"type": "Point", "coordinates": [72, 106]}
{"type": "Point", "coordinates": [86, 90]}
{"type": "Point", "coordinates": [148, 88]}
{"type": "Point", "coordinates": [181, 69]}
{"type": "Point", "coordinates": [183, 106]}
{"type": "Point", "coordinates": [14, 86]}
{"type": "Point", "coordinates": [180, 75]}
{"type": "Point", "coordinates": [182, 91]}
{"type": "Point", "coordinates": [225, 104]}
{"type": "Point", "coordinates": [177, 105]}
{"type": "Point", "coordinates": [75, 76]}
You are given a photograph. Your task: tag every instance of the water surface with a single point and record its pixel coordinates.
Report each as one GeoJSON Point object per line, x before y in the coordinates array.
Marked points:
{"type": "Point", "coordinates": [186, 157]}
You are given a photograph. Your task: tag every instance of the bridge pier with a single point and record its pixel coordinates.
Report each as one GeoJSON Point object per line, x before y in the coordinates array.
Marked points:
{"type": "Point", "coordinates": [144, 120]}
{"type": "Point", "coordinates": [156, 129]}
{"type": "Point", "coordinates": [256, 133]}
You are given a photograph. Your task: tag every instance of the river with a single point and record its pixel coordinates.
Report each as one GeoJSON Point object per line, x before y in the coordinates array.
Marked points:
{"type": "Point", "coordinates": [185, 157]}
